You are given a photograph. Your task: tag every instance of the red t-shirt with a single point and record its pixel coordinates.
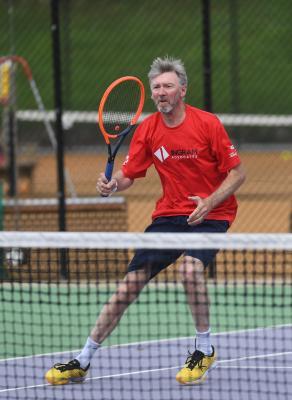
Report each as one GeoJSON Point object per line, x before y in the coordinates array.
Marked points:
{"type": "Point", "coordinates": [191, 159]}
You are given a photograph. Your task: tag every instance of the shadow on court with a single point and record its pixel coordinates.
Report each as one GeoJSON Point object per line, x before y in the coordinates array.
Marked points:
{"type": "Point", "coordinates": [252, 365]}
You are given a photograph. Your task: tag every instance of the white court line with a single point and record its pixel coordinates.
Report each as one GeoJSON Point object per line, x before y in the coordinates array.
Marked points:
{"type": "Point", "coordinates": [23, 388]}
{"type": "Point", "coordinates": [261, 356]}
{"type": "Point", "coordinates": [218, 364]}
{"type": "Point", "coordinates": [254, 367]}
{"type": "Point", "coordinates": [256, 357]}
{"type": "Point", "coordinates": [146, 342]}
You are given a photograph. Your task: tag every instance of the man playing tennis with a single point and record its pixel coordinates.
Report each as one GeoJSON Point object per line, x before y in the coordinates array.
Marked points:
{"type": "Point", "coordinates": [199, 170]}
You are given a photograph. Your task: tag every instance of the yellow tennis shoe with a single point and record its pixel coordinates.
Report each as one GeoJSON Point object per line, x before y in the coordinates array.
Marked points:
{"type": "Point", "coordinates": [61, 374]}
{"type": "Point", "coordinates": [196, 368]}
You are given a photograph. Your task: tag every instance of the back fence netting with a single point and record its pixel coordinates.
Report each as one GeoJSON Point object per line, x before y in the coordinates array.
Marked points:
{"type": "Point", "coordinates": [45, 318]}
{"type": "Point", "coordinates": [87, 214]}
{"type": "Point", "coordinates": [250, 91]}
{"type": "Point", "coordinates": [28, 157]}
{"type": "Point", "coordinates": [262, 141]}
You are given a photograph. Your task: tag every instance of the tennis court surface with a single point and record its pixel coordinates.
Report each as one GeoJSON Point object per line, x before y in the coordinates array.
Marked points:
{"type": "Point", "coordinates": [46, 317]}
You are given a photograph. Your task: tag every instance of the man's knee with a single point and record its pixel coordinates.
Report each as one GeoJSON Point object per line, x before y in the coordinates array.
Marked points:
{"type": "Point", "coordinates": [133, 283]}
{"type": "Point", "coordinates": [191, 269]}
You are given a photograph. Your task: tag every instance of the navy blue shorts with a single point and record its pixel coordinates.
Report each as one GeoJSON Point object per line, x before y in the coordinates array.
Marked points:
{"type": "Point", "coordinates": [158, 260]}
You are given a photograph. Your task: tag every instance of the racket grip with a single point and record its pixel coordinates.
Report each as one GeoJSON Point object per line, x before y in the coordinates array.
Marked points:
{"type": "Point", "coordinates": [108, 173]}
{"type": "Point", "coordinates": [109, 170]}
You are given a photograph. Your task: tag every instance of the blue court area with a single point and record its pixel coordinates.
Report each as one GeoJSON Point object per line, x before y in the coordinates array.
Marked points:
{"type": "Point", "coordinates": [252, 364]}
{"type": "Point", "coordinates": [252, 333]}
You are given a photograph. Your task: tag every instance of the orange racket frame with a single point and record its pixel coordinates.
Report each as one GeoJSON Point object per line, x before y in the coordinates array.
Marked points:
{"type": "Point", "coordinates": [105, 97]}
{"type": "Point", "coordinates": [107, 136]}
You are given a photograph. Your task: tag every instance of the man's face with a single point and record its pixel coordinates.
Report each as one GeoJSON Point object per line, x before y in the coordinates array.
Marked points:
{"type": "Point", "coordinates": [167, 92]}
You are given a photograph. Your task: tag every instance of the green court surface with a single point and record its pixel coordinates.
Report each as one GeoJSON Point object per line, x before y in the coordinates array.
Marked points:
{"type": "Point", "coordinates": [47, 318]}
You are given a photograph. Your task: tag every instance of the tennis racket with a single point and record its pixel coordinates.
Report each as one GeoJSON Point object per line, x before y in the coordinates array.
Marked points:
{"type": "Point", "coordinates": [118, 114]}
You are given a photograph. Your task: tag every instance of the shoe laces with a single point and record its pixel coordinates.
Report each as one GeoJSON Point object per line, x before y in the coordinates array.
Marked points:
{"type": "Point", "coordinates": [195, 359]}
{"type": "Point", "coordinates": [74, 364]}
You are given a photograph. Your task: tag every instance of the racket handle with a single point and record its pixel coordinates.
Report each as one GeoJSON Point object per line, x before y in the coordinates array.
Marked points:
{"type": "Point", "coordinates": [109, 170]}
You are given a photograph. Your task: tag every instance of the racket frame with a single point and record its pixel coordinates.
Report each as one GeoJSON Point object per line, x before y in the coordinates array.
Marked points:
{"type": "Point", "coordinates": [112, 152]}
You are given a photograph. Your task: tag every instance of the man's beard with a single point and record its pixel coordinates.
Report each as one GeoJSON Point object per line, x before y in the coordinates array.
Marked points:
{"type": "Point", "coordinates": [167, 108]}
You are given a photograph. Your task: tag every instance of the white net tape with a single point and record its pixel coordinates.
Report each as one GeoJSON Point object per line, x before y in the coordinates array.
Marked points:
{"type": "Point", "coordinates": [100, 240]}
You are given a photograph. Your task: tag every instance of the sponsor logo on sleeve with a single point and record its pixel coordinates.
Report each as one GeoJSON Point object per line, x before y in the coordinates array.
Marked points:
{"type": "Point", "coordinates": [233, 152]}
{"type": "Point", "coordinates": [126, 160]}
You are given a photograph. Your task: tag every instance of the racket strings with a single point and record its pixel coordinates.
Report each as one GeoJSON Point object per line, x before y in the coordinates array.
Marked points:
{"type": "Point", "coordinates": [121, 107]}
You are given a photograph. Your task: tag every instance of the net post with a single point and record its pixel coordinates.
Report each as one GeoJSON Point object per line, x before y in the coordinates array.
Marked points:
{"type": "Point", "coordinates": [3, 272]}
{"type": "Point", "coordinates": [64, 267]}
{"type": "Point", "coordinates": [290, 219]}
{"type": "Point", "coordinates": [207, 67]}
{"type": "Point", "coordinates": [12, 192]}
{"type": "Point", "coordinates": [207, 76]}
{"type": "Point", "coordinates": [212, 270]}
{"type": "Point", "coordinates": [59, 128]}
{"type": "Point", "coordinates": [8, 100]}
{"type": "Point", "coordinates": [234, 59]}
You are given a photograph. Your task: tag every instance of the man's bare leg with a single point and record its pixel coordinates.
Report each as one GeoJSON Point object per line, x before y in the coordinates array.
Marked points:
{"type": "Point", "coordinates": [127, 291]}
{"type": "Point", "coordinates": [77, 369]}
{"type": "Point", "coordinates": [199, 363]}
{"type": "Point", "coordinates": [195, 285]}
{"type": "Point", "coordinates": [111, 313]}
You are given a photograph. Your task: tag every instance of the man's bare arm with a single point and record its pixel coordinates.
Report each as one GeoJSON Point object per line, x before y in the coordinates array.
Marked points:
{"type": "Point", "coordinates": [231, 183]}
{"type": "Point", "coordinates": [119, 182]}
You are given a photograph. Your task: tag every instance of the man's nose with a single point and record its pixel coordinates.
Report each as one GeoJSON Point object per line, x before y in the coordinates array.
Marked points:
{"type": "Point", "coordinates": [161, 91]}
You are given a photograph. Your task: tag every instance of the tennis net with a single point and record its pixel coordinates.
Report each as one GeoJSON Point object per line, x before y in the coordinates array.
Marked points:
{"type": "Point", "coordinates": [45, 319]}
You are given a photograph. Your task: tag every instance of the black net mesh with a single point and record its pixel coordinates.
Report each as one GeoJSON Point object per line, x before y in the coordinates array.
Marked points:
{"type": "Point", "coordinates": [46, 319]}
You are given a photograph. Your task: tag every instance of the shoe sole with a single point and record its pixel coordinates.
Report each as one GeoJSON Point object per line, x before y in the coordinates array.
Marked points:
{"type": "Point", "coordinates": [77, 380]}
{"type": "Point", "coordinates": [65, 381]}
{"type": "Point", "coordinates": [202, 379]}
{"type": "Point", "coordinates": [53, 380]}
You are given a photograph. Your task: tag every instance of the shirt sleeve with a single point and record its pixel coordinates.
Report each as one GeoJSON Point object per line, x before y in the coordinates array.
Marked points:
{"type": "Point", "coordinates": [223, 149]}
{"type": "Point", "coordinates": [139, 157]}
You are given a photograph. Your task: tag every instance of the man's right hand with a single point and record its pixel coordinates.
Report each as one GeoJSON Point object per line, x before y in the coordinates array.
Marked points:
{"type": "Point", "coordinates": [104, 187]}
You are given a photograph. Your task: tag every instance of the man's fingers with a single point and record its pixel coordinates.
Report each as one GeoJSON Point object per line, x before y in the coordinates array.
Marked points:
{"type": "Point", "coordinates": [196, 199]}
{"type": "Point", "coordinates": [104, 187]}
{"type": "Point", "coordinates": [195, 221]}
{"type": "Point", "coordinates": [103, 178]}
{"type": "Point", "coordinates": [197, 216]}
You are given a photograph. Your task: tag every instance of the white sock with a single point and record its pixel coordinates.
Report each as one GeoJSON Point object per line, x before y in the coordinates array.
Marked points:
{"type": "Point", "coordinates": [87, 352]}
{"type": "Point", "coordinates": [203, 342]}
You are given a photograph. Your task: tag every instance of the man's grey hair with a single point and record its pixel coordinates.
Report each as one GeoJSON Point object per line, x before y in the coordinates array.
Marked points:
{"type": "Point", "coordinates": [168, 64]}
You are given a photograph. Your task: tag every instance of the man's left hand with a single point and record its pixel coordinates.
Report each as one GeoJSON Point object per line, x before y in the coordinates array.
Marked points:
{"type": "Point", "coordinates": [202, 209]}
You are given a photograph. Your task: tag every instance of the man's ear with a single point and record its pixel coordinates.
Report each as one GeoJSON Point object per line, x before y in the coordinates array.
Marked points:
{"type": "Point", "coordinates": [183, 91]}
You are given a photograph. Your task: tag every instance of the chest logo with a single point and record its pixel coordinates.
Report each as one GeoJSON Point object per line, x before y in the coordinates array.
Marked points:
{"type": "Point", "coordinates": [161, 154]}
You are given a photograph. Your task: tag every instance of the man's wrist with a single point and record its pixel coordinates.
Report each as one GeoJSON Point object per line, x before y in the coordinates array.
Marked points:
{"type": "Point", "coordinates": [115, 188]}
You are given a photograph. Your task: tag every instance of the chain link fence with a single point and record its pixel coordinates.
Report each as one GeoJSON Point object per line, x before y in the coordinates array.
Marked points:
{"type": "Point", "coordinates": [105, 39]}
